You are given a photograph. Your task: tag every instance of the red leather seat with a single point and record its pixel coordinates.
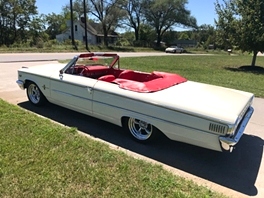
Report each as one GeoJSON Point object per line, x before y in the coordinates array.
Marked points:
{"type": "Point", "coordinates": [107, 78]}
{"type": "Point", "coordinates": [127, 74]}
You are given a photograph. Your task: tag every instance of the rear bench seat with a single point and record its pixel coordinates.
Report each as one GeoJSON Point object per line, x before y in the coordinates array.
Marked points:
{"type": "Point", "coordinates": [128, 75]}
{"type": "Point", "coordinates": [107, 78]}
{"type": "Point", "coordinates": [100, 71]}
{"type": "Point", "coordinates": [156, 81]}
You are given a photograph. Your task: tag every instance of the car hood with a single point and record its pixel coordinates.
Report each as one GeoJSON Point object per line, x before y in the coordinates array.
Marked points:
{"type": "Point", "coordinates": [43, 70]}
{"type": "Point", "coordinates": [213, 102]}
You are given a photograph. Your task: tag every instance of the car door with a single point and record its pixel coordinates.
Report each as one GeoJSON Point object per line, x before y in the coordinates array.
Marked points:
{"type": "Point", "coordinates": [72, 91]}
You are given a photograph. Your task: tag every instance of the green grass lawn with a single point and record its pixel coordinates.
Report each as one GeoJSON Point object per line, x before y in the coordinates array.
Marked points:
{"type": "Point", "coordinates": [222, 70]}
{"type": "Point", "coordinates": [39, 158]}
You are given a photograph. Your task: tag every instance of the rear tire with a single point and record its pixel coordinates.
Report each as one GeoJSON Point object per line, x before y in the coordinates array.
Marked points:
{"type": "Point", "coordinates": [34, 95]}
{"type": "Point", "coordinates": [141, 131]}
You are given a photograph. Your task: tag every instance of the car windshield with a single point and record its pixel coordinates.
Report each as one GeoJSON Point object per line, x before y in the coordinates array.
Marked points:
{"type": "Point", "coordinates": [90, 60]}
{"type": "Point", "coordinates": [95, 60]}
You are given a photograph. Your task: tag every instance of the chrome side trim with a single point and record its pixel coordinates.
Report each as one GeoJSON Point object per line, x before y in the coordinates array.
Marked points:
{"type": "Point", "coordinates": [227, 143]}
{"type": "Point", "coordinates": [21, 84]}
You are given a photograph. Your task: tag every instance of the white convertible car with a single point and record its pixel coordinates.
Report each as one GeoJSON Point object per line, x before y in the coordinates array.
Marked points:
{"type": "Point", "coordinates": [146, 104]}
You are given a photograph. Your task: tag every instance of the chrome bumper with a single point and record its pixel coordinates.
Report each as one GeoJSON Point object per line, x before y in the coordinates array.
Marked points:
{"type": "Point", "coordinates": [228, 143]}
{"type": "Point", "coordinates": [20, 83]}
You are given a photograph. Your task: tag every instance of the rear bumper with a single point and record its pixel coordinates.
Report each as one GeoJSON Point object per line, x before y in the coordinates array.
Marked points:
{"type": "Point", "coordinates": [21, 84]}
{"type": "Point", "coordinates": [228, 143]}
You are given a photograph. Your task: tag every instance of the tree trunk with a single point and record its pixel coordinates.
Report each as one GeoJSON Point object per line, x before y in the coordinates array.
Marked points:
{"type": "Point", "coordinates": [1, 32]}
{"type": "Point", "coordinates": [105, 36]}
{"type": "Point", "coordinates": [158, 39]}
{"type": "Point", "coordinates": [253, 63]}
{"type": "Point", "coordinates": [106, 40]}
{"type": "Point", "coordinates": [136, 34]}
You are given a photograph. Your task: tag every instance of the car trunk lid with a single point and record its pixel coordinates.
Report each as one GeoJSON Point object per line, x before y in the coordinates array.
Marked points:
{"type": "Point", "coordinates": [213, 102]}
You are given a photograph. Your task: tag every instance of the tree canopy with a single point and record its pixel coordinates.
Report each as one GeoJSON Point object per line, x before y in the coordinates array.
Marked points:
{"type": "Point", "coordinates": [164, 14]}
{"type": "Point", "coordinates": [108, 13]}
{"type": "Point", "coordinates": [241, 24]}
{"type": "Point", "coordinates": [134, 15]}
{"type": "Point", "coordinates": [148, 20]}
{"type": "Point", "coordinates": [15, 18]}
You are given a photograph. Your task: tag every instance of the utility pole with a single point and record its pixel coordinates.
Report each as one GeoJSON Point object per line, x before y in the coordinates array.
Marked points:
{"type": "Point", "coordinates": [85, 25]}
{"type": "Point", "coordinates": [72, 32]}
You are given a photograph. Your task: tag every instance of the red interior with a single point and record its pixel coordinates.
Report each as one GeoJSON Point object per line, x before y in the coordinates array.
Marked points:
{"type": "Point", "coordinates": [155, 81]}
{"type": "Point", "coordinates": [132, 80]}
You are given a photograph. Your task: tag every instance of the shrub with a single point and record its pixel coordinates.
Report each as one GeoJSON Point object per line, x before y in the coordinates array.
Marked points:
{"type": "Point", "coordinates": [40, 43]}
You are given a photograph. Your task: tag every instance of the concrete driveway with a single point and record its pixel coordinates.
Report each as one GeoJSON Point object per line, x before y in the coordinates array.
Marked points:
{"type": "Point", "coordinates": [237, 174]}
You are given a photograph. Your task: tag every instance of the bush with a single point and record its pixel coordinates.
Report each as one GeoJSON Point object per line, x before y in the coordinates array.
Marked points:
{"type": "Point", "coordinates": [15, 45]}
{"type": "Point", "coordinates": [68, 42]}
{"type": "Point", "coordinates": [78, 43]}
{"type": "Point", "coordinates": [3, 46]}
{"type": "Point", "coordinates": [48, 44]}
{"type": "Point", "coordinates": [40, 43]}
{"type": "Point", "coordinates": [54, 42]}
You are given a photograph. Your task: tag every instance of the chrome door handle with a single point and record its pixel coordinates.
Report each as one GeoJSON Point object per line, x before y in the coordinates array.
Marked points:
{"type": "Point", "coordinates": [90, 89]}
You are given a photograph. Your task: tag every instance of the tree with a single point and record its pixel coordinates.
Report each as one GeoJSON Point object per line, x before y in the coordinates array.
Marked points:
{"type": "Point", "coordinates": [36, 31]}
{"type": "Point", "coordinates": [4, 21]}
{"type": "Point", "coordinates": [54, 24]}
{"type": "Point", "coordinates": [15, 19]}
{"type": "Point", "coordinates": [241, 23]}
{"type": "Point", "coordinates": [147, 35]}
{"type": "Point", "coordinates": [184, 36]}
{"type": "Point", "coordinates": [108, 13]}
{"type": "Point", "coordinates": [164, 14]}
{"type": "Point", "coordinates": [204, 31]}
{"type": "Point", "coordinates": [134, 15]}
{"type": "Point", "coordinates": [77, 8]}
{"type": "Point", "coordinates": [205, 35]}
{"type": "Point", "coordinates": [170, 36]}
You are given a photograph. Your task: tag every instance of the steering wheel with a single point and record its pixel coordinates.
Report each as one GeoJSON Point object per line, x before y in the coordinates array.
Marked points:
{"type": "Point", "coordinates": [85, 71]}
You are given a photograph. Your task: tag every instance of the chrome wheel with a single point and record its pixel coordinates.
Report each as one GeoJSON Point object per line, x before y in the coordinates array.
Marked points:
{"type": "Point", "coordinates": [34, 94]}
{"type": "Point", "coordinates": [139, 129]}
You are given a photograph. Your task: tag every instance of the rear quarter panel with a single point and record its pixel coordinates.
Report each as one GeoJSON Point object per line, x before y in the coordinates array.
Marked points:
{"type": "Point", "coordinates": [113, 103]}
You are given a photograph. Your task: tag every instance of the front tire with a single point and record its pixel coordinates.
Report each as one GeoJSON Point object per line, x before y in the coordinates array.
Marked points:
{"type": "Point", "coordinates": [35, 95]}
{"type": "Point", "coordinates": [141, 131]}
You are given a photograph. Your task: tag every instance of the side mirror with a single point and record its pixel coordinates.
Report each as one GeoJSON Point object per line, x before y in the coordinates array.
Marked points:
{"type": "Point", "coordinates": [60, 75]}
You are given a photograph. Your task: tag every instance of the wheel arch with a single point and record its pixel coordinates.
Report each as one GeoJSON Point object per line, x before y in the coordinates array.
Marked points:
{"type": "Point", "coordinates": [43, 98]}
{"type": "Point", "coordinates": [27, 83]}
{"type": "Point", "coordinates": [125, 118]}
{"type": "Point", "coordinates": [144, 134]}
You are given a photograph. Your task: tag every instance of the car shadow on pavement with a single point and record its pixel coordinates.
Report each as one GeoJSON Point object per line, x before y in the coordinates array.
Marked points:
{"type": "Point", "coordinates": [237, 170]}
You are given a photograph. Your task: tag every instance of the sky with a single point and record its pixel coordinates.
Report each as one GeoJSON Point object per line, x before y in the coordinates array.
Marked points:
{"type": "Point", "coordinates": [202, 10]}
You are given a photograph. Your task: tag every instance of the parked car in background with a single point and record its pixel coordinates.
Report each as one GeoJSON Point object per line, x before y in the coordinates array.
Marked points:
{"type": "Point", "coordinates": [174, 49]}
{"type": "Point", "coordinates": [145, 104]}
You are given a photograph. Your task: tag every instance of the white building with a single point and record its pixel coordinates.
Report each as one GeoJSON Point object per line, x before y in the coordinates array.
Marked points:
{"type": "Point", "coordinates": [94, 35]}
